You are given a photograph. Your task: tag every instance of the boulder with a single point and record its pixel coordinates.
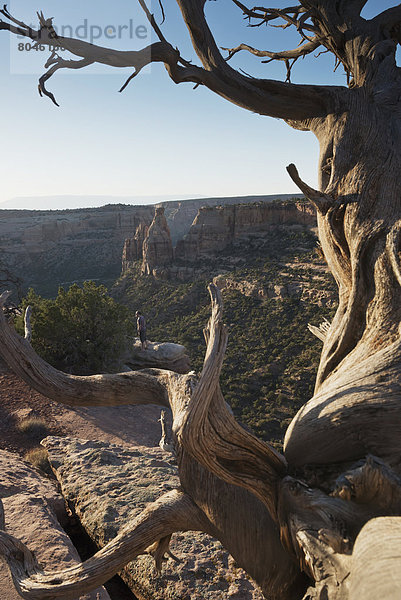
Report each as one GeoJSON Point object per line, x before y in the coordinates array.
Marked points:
{"type": "Point", "coordinates": [33, 512]}
{"type": "Point", "coordinates": [108, 486]}
{"type": "Point", "coordinates": [164, 355]}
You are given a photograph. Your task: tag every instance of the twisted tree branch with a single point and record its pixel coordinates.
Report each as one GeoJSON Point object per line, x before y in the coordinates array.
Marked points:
{"type": "Point", "coordinates": [95, 390]}
{"type": "Point", "coordinates": [175, 511]}
{"type": "Point", "coordinates": [208, 431]}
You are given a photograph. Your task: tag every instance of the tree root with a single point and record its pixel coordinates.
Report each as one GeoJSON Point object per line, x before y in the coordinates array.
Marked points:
{"type": "Point", "coordinates": [174, 511]}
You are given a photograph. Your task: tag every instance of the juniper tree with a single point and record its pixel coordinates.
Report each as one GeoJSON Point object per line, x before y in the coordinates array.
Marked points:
{"type": "Point", "coordinates": [289, 519]}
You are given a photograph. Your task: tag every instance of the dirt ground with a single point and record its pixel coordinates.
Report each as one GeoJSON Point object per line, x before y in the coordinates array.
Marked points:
{"type": "Point", "coordinates": [123, 425]}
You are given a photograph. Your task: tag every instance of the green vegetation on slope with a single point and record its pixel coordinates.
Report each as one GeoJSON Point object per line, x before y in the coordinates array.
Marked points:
{"type": "Point", "coordinates": [271, 359]}
{"type": "Point", "coordinates": [82, 331]}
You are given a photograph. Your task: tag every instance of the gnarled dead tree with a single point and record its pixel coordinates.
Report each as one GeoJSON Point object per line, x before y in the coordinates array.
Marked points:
{"type": "Point", "coordinates": [344, 445]}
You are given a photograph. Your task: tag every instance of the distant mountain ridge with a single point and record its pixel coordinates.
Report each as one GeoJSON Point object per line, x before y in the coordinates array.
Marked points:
{"type": "Point", "coordinates": [68, 202]}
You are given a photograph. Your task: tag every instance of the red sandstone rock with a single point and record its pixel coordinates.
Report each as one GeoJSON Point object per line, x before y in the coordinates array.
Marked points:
{"type": "Point", "coordinates": [157, 247]}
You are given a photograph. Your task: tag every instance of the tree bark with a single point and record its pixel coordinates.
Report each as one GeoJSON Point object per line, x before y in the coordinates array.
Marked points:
{"type": "Point", "coordinates": [309, 525]}
{"type": "Point", "coordinates": [356, 407]}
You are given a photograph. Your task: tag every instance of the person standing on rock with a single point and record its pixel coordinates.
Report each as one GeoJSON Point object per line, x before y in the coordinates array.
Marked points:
{"type": "Point", "coordinates": [141, 327]}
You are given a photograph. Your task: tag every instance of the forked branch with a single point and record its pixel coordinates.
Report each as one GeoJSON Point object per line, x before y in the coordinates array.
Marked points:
{"type": "Point", "coordinates": [173, 512]}
{"type": "Point", "coordinates": [208, 431]}
{"type": "Point", "coordinates": [298, 52]}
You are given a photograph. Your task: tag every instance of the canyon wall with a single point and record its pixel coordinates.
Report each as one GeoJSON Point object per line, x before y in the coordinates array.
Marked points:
{"type": "Point", "coordinates": [48, 248]}
{"type": "Point", "coordinates": [215, 228]}
{"type": "Point", "coordinates": [181, 214]}
{"type": "Point", "coordinates": [51, 248]}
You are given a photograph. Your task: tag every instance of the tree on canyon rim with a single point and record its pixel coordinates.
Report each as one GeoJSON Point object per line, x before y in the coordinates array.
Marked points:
{"type": "Point", "coordinates": [290, 520]}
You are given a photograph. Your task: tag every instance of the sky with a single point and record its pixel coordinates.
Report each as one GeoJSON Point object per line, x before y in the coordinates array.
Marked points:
{"type": "Point", "coordinates": [156, 138]}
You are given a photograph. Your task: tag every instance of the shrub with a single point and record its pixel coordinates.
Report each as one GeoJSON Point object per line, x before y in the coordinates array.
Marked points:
{"type": "Point", "coordinates": [34, 427]}
{"type": "Point", "coordinates": [38, 458]}
{"type": "Point", "coordinates": [83, 330]}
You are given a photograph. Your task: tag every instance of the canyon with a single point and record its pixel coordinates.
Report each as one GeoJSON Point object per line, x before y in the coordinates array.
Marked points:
{"type": "Point", "coordinates": [214, 229]}
{"type": "Point", "coordinates": [49, 248]}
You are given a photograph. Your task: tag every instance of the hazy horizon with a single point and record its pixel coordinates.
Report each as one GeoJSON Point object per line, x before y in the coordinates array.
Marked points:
{"type": "Point", "coordinates": [71, 201]}
{"type": "Point", "coordinates": [75, 201]}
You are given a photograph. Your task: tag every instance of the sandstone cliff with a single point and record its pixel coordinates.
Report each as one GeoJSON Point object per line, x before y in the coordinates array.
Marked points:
{"type": "Point", "coordinates": [217, 227]}
{"type": "Point", "coordinates": [133, 248]}
{"type": "Point", "coordinates": [214, 229]}
{"type": "Point", "coordinates": [180, 214]}
{"type": "Point", "coordinates": [49, 248]}
{"type": "Point", "coordinates": [157, 247]}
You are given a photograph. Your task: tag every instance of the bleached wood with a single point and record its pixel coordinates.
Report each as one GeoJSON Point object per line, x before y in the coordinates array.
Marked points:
{"type": "Point", "coordinates": [376, 561]}
{"type": "Point", "coordinates": [356, 407]}
{"type": "Point", "coordinates": [27, 323]}
{"type": "Point", "coordinates": [174, 511]}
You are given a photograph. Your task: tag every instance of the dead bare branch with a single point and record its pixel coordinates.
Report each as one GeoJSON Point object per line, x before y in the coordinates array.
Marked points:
{"type": "Point", "coordinates": [27, 323]}
{"type": "Point", "coordinates": [59, 63]}
{"type": "Point", "coordinates": [298, 52]}
{"type": "Point", "coordinates": [290, 15]}
{"type": "Point", "coordinates": [208, 431]}
{"type": "Point", "coordinates": [175, 511]}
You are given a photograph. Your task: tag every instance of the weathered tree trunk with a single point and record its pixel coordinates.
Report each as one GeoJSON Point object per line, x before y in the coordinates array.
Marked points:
{"type": "Point", "coordinates": [344, 444]}
{"type": "Point", "coordinates": [356, 407]}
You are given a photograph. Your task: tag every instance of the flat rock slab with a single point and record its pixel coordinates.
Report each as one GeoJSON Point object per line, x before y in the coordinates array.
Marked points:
{"type": "Point", "coordinates": [33, 510]}
{"type": "Point", "coordinates": [108, 485]}
{"type": "Point", "coordinates": [159, 355]}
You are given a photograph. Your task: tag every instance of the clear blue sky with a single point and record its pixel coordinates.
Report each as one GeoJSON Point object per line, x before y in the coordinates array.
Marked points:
{"type": "Point", "coordinates": [156, 138]}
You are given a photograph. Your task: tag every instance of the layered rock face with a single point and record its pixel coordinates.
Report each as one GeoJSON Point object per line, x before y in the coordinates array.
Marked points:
{"type": "Point", "coordinates": [51, 248]}
{"type": "Point", "coordinates": [133, 248]}
{"type": "Point", "coordinates": [180, 214]}
{"type": "Point", "coordinates": [60, 247]}
{"type": "Point", "coordinates": [214, 229]}
{"type": "Point", "coordinates": [217, 227]}
{"type": "Point", "coordinates": [157, 247]}
{"type": "Point", "coordinates": [109, 486]}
